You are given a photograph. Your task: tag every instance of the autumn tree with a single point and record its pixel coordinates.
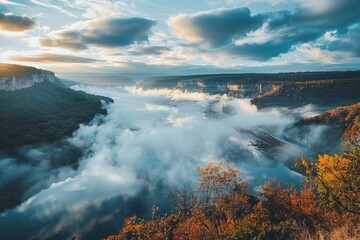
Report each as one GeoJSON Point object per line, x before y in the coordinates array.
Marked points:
{"type": "Point", "coordinates": [158, 227]}
{"type": "Point", "coordinates": [216, 206]}
{"type": "Point", "coordinates": [337, 177]}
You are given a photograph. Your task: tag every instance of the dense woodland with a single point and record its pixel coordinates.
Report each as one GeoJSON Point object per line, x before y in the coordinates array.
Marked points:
{"type": "Point", "coordinates": [326, 207]}
{"type": "Point", "coordinates": [44, 112]}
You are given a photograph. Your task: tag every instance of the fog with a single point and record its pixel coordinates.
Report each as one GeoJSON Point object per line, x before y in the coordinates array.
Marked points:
{"type": "Point", "coordinates": [150, 141]}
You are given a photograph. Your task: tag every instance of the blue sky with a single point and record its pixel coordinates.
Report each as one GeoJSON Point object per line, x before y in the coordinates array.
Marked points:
{"type": "Point", "coordinates": [167, 37]}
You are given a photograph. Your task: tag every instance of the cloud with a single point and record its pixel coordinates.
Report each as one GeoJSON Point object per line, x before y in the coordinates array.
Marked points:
{"type": "Point", "coordinates": [115, 32]}
{"type": "Point", "coordinates": [50, 57]}
{"type": "Point", "coordinates": [263, 36]}
{"type": "Point", "coordinates": [6, 2]}
{"type": "Point", "coordinates": [278, 42]}
{"type": "Point", "coordinates": [347, 42]}
{"type": "Point", "coordinates": [67, 44]}
{"type": "Point", "coordinates": [328, 14]}
{"type": "Point", "coordinates": [335, 46]}
{"type": "Point", "coordinates": [14, 23]}
{"type": "Point", "coordinates": [218, 27]}
{"type": "Point", "coordinates": [152, 50]}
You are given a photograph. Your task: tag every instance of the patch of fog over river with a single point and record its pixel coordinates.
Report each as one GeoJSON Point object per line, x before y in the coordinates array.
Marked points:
{"type": "Point", "coordinates": [150, 141]}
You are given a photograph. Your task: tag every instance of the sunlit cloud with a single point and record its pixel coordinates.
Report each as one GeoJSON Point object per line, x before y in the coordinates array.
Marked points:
{"type": "Point", "coordinates": [14, 23]}
{"type": "Point", "coordinates": [262, 36]}
{"type": "Point", "coordinates": [218, 27]}
{"type": "Point", "coordinates": [115, 32]}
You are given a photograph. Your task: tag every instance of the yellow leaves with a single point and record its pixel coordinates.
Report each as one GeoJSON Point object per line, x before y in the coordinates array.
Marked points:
{"type": "Point", "coordinates": [337, 177]}
{"type": "Point", "coordinates": [215, 181]}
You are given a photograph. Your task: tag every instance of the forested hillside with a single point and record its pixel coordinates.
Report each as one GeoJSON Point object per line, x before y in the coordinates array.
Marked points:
{"type": "Point", "coordinates": [342, 117]}
{"type": "Point", "coordinates": [44, 112]}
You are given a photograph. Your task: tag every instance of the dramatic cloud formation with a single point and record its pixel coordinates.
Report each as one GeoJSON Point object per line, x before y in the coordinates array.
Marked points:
{"type": "Point", "coordinates": [50, 57]}
{"type": "Point", "coordinates": [221, 36]}
{"type": "Point", "coordinates": [13, 23]}
{"type": "Point", "coordinates": [218, 27]}
{"type": "Point", "coordinates": [116, 32]}
{"type": "Point", "coordinates": [266, 35]}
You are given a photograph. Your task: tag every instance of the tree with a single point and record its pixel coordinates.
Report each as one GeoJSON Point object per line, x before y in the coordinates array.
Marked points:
{"type": "Point", "coordinates": [217, 204]}
{"type": "Point", "coordinates": [337, 177]}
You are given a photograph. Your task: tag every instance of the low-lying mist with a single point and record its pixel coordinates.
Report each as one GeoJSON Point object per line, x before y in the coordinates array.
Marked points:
{"type": "Point", "coordinates": [150, 141]}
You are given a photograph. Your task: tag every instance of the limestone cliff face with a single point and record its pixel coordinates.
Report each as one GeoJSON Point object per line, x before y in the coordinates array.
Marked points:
{"type": "Point", "coordinates": [14, 77]}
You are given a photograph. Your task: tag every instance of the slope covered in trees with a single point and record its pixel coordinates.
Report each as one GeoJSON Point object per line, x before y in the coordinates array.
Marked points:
{"type": "Point", "coordinates": [44, 112]}
{"type": "Point", "coordinates": [342, 117]}
{"type": "Point", "coordinates": [325, 130]}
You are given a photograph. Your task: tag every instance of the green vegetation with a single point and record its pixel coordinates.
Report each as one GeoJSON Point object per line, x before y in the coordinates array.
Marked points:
{"type": "Point", "coordinates": [44, 112]}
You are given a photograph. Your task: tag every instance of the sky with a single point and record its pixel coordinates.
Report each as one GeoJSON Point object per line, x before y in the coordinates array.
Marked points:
{"type": "Point", "coordinates": [167, 37]}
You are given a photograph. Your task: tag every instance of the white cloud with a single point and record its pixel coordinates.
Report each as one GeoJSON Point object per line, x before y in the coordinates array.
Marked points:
{"type": "Point", "coordinates": [182, 27]}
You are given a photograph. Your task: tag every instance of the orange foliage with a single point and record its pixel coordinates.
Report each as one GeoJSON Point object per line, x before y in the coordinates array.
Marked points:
{"type": "Point", "coordinates": [337, 177]}
{"type": "Point", "coordinates": [222, 208]}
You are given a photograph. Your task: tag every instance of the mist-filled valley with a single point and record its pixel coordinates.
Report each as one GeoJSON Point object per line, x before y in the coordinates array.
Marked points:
{"type": "Point", "coordinates": [179, 120]}
{"type": "Point", "coordinates": [150, 141]}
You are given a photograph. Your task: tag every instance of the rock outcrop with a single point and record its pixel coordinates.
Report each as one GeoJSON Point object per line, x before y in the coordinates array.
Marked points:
{"type": "Point", "coordinates": [14, 77]}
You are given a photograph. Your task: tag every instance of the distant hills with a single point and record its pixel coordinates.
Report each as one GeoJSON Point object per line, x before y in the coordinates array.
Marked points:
{"type": "Point", "coordinates": [326, 89]}
{"type": "Point", "coordinates": [328, 93]}
{"type": "Point", "coordinates": [35, 107]}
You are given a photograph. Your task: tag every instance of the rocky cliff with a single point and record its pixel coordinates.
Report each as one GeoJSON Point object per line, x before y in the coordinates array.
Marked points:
{"type": "Point", "coordinates": [14, 77]}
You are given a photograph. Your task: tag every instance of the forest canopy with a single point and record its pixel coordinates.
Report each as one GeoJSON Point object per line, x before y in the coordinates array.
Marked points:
{"type": "Point", "coordinates": [44, 112]}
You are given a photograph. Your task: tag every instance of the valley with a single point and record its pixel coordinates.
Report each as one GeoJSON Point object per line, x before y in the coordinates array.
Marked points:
{"type": "Point", "coordinates": [68, 137]}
